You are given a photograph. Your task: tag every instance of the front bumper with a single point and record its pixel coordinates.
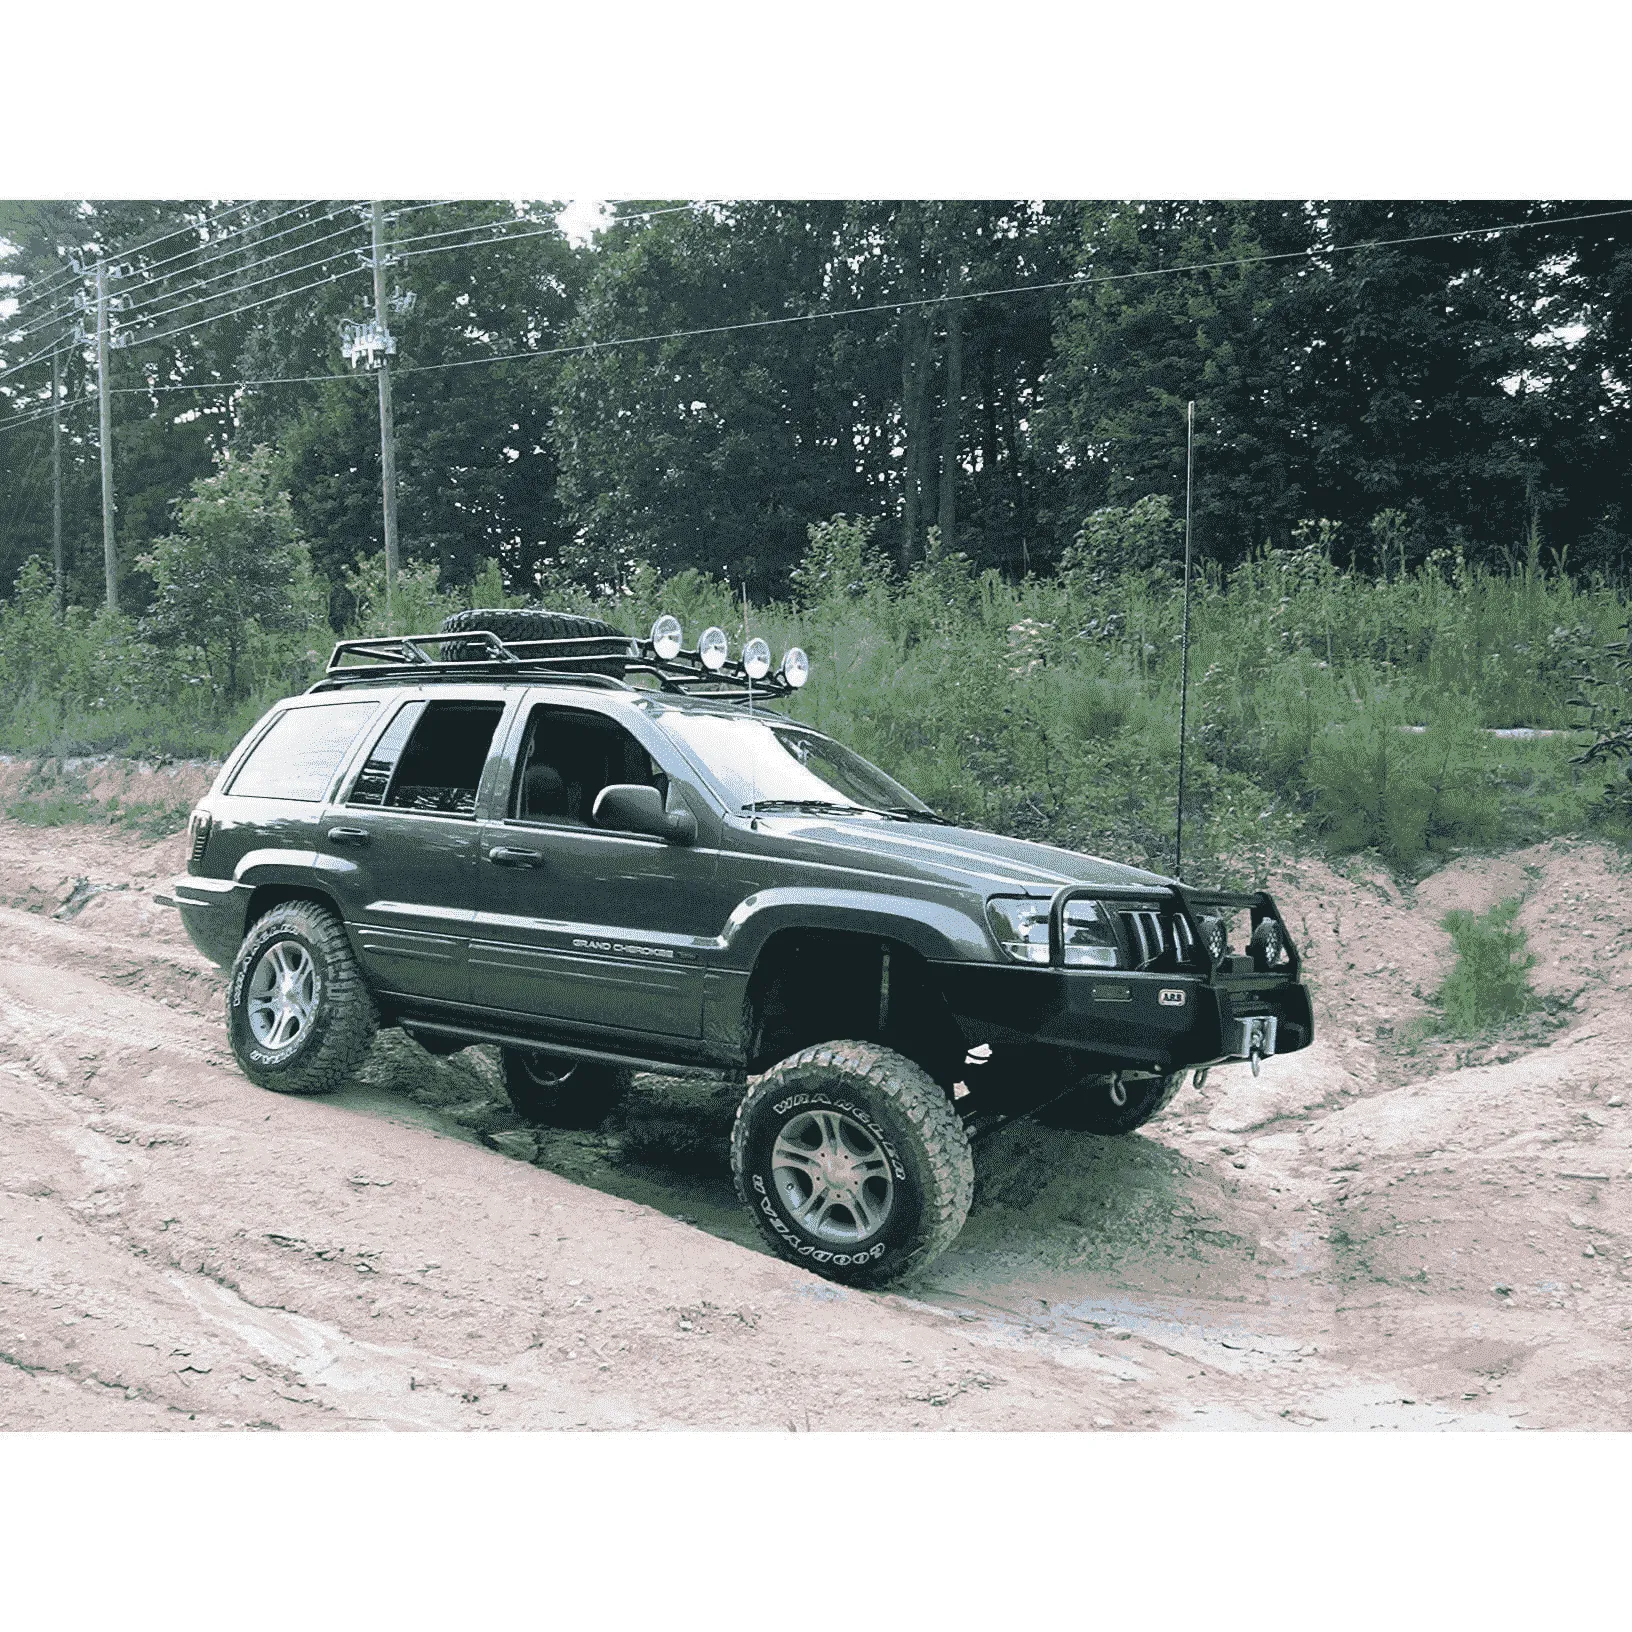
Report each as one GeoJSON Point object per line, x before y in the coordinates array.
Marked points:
{"type": "Point", "coordinates": [1198, 1012]}
{"type": "Point", "coordinates": [212, 912]}
{"type": "Point", "coordinates": [1122, 1019]}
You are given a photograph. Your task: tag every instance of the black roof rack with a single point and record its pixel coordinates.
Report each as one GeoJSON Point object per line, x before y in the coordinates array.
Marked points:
{"type": "Point", "coordinates": [596, 660]}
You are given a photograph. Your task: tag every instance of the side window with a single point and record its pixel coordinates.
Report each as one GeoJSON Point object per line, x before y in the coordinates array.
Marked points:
{"type": "Point", "coordinates": [567, 757]}
{"type": "Point", "coordinates": [441, 765]}
{"type": "Point", "coordinates": [374, 779]}
{"type": "Point", "coordinates": [301, 752]}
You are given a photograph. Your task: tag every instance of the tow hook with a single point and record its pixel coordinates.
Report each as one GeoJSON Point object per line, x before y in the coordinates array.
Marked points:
{"type": "Point", "coordinates": [1119, 1091]}
{"type": "Point", "coordinates": [1256, 1060]}
{"type": "Point", "coordinates": [1198, 1079]}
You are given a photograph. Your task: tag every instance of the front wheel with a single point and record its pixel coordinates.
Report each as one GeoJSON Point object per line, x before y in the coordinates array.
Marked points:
{"type": "Point", "coordinates": [852, 1162]}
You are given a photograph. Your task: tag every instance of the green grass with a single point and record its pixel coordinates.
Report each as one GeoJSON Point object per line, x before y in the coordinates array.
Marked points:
{"type": "Point", "coordinates": [1048, 708]}
{"type": "Point", "coordinates": [51, 797]}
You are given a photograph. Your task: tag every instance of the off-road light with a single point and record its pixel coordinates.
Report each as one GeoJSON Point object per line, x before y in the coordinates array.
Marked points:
{"type": "Point", "coordinates": [756, 659]}
{"type": "Point", "coordinates": [1267, 945]}
{"type": "Point", "coordinates": [711, 649]}
{"type": "Point", "coordinates": [795, 667]}
{"type": "Point", "coordinates": [1217, 935]}
{"type": "Point", "coordinates": [667, 636]}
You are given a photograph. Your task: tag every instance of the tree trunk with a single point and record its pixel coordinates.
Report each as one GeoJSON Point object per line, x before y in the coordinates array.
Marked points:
{"type": "Point", "coordinates": [1017, 486]}
{"type": "Point", "coordinates": [914, 392]}
{"type": "Point", "coordinates": [950, 424]}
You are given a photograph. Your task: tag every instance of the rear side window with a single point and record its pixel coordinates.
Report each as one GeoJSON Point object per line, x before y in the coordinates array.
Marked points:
{"type": "Point", "coordinates": [374, 779]}
{"type": "Point", "coordinates": [298, 757]}
{"type": "Point", "coordinates": [441, 766]}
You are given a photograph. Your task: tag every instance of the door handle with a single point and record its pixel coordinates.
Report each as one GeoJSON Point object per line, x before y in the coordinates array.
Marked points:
{"type": "Point", "coordinates": [348, 835]}
{"type": "Point", "coordinates": [502, 856]}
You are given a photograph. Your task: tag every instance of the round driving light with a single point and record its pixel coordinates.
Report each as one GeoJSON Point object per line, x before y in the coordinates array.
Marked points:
{"type": "Point", "coordinates": [711, 649]}
{"type": "Point", "coordinates": [795, 667]}
{"type": "Point", "coordinates": [666, 636]}
{"type": "Point", "coordinates": [756, 659]}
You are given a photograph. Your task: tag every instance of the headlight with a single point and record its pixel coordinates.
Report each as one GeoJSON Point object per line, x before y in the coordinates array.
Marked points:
{"type": "Point", "coordinates": [1021, 928]}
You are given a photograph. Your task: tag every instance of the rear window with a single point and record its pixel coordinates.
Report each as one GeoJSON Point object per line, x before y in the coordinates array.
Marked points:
{"type": "Point", "coordinates": [298, 757]}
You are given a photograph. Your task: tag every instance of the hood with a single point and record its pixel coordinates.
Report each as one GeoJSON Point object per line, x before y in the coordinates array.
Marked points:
{"type": "Point", "coordinates": [962, 857]}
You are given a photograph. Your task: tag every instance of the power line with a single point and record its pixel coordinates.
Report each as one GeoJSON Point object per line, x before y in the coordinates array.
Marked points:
{"type": "Point", "coordinates": [35, 415]}
{"type": "Point", "coordinates": [253, 266]}
{"type": "Point", "coordinates": [6, 373]}
{"type": "Point", "coordinates": [69, 274]}
{"type": "Point", "coordinates": [232, 385]}
{"type": "Point", "coordinates": [146, 272]}
{"type": "Point", "coordinates": [518, 220]}
{"type": "Point", "coordinates": [1081, 281]}
{"type": "Point", "coordinates": [254, 305]}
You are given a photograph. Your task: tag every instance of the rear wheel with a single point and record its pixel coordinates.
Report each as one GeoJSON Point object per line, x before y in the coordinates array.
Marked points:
{"type": "Point", "coordinates": [852, 1162]}
{"type": "Point", "coordinates": [299, 1015]}
{"type": "Point", "coordinates": [551, 1091]}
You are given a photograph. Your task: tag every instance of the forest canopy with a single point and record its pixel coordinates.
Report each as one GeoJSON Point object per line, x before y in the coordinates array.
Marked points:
{"type": "Point", "coordinates": [698, 384]}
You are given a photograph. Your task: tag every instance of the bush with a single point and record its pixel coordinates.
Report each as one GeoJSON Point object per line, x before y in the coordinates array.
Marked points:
{"type": "Point", "coordinates": [1490, 985]}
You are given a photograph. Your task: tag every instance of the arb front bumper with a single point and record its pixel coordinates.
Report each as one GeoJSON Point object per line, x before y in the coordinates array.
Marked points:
{"type": "Point", "coordinates": [1182, 996]}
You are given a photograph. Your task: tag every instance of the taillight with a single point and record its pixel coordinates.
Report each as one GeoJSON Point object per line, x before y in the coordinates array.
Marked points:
{"type": "Point", "coordinates": [198, 835]}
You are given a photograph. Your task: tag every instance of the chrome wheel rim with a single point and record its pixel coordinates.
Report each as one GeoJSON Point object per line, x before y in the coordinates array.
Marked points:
{"type": "Point", "coordinates": [832, 1176]}
{"type": "Point", "coordinates": [282, 994]}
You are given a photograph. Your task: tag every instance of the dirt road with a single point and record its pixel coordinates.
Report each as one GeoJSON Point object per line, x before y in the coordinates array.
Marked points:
{"type": "Point", "coordinates": [1365, 1236]}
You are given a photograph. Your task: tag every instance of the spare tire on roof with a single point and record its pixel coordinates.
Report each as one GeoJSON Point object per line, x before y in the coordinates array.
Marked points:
{"type": "Point", "coordinates": [528, 623]}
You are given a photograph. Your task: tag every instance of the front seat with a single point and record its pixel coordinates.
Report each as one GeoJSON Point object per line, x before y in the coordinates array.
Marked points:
{"type": "Point", "coordinates": [543, 793]}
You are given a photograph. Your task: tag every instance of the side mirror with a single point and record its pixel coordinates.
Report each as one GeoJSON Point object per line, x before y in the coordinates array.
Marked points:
{"type": "Point", "coordinates": [635, 807]}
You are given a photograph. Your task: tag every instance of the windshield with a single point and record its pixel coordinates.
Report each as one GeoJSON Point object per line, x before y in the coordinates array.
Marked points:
{"type": "Point", "coordinates": [759, 762]}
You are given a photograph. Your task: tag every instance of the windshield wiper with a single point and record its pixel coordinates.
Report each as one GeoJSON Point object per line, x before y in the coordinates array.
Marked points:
{"type": "Point", "coordinates": [825, 806]}
{"type": "Point", "coordinates": [911, 813]}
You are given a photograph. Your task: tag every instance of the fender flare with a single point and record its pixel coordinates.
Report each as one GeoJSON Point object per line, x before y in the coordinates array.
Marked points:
{"type": "Point", "coordinates": [939, 931]}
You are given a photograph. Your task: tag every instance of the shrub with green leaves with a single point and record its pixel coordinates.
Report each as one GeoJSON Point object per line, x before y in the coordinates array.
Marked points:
{"type": "Point", "coordinates": [1490, 985]}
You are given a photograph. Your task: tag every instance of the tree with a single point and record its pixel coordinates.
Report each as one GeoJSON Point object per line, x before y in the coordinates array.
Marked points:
{"type": "Point", "coordinates": [231, 568]}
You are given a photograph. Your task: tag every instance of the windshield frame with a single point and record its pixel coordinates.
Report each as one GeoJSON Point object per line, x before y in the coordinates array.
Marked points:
{"type": "Point", "coordinates": [668, 719]}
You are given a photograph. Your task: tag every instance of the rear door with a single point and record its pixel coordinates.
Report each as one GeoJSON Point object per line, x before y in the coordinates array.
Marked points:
{"type": "Point", "coordinates": [580, 925]}
{"type": "Point", "coordinates": [404, 840]}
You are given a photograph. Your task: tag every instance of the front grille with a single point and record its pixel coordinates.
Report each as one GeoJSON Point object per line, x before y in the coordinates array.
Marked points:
{"type": "Point", "coordinates": [1159, 940]}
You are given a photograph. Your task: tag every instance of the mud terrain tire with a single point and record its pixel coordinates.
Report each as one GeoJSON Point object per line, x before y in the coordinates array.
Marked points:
{"type": "Point", "coordinates": [852, 1162]}
{"type": "Point", "coordinates": [1089, 1107]}
{"type": "Point", "coordinates": [553, 1092]}
{"type": "Point", "coordinates": [521, 623]}
{"type": "Point", "coordinates": [299, 1016]}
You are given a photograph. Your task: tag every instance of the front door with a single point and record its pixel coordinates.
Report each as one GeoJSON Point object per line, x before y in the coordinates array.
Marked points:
{"type": "Point", "coordinates": [404, 841]}
{"type": "Point", "coordinates": [587, 928]}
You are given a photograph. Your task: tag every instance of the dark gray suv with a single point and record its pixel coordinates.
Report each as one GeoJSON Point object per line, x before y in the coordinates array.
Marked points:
{"type": "Point", "coordinates": [606, 855]}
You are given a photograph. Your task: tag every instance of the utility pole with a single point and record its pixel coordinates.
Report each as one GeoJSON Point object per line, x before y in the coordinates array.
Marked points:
{"type": "Point", "coordinates": [59, 592]}
{"type": "Point", "coordinates": [388, 438]}
{"type": "Point", "coordinates": [1184, 636]}
{"type": "Point", "coordinates": [110, 558]}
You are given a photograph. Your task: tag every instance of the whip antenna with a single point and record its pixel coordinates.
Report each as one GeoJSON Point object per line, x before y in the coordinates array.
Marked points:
{"type": "Point", "coordinates": [1184, 635]}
